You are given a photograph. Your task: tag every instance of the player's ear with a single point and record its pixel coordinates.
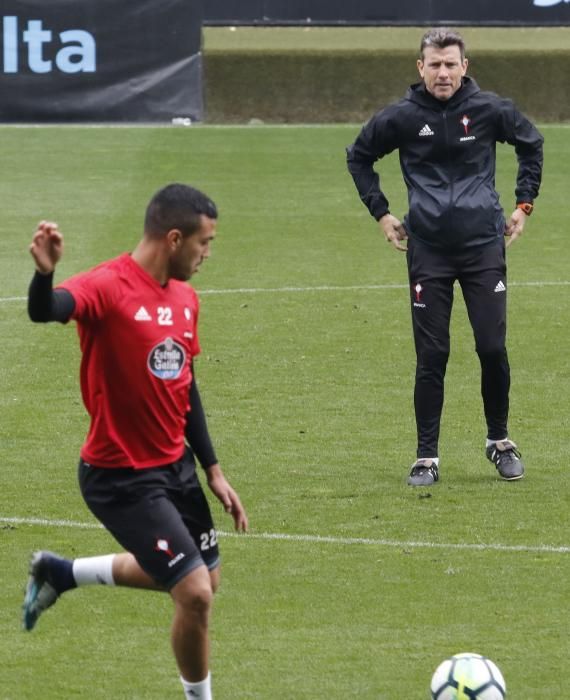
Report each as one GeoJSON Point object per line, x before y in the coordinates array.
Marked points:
{"type": "Point", "coordinates": [420, 65]}
{"type": "Point", "coordinates": [174, 238]}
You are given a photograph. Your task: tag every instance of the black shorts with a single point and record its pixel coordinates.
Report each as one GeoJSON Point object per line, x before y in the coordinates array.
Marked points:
{"type": "Point", "coordinates": [159, 514]}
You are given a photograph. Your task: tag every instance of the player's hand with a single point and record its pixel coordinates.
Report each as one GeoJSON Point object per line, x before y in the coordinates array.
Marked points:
{"type": "Point", "coordinates": [394, 231]}
{"type": "Point", "coordinates": [46, 247]}
{"type": "Point", "coordinates": [227, 496]}
{"type": "Point", "coordinates": [515, 226]}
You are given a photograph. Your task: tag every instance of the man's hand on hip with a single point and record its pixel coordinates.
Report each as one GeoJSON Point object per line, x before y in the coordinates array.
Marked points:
{"type": "Point", "coordinates": [394, 231]}
{"type": "Point", "coordinates": [514, 226]}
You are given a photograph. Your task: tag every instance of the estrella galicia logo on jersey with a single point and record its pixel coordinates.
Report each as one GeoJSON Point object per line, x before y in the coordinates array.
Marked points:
{"type": "Point", "coordinates": [167, 359]}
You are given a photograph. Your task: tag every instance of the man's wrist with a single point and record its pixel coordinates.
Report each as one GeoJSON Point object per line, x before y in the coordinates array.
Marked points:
{"type": "Point", "coordinates": [527, 207]}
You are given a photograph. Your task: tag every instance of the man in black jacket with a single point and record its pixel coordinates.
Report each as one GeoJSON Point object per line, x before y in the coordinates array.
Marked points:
{"type": "Point", "coordinates": [445, 130]}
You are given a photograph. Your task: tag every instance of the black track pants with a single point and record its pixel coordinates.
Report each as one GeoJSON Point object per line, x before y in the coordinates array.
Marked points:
{"type": "Point", "coordinates": [481, 273]}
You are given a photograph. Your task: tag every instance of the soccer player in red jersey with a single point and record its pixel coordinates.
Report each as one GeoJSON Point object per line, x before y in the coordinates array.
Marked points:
{"type": "Point", "coordinates": [137, 323]}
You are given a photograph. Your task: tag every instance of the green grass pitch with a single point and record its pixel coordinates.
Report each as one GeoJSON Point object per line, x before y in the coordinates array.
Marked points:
{"type": "Point", "coordinates": [350, 584]}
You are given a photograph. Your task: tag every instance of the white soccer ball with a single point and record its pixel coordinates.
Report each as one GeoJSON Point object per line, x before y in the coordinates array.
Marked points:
{"type": "Point", "coordinates": [468, 677]}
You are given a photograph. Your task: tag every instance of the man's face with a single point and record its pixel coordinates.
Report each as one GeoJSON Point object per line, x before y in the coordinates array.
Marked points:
{"type": "Point", "coordinates": [193, 250]}
{"type": "Point", "coordinates": [442, 70]}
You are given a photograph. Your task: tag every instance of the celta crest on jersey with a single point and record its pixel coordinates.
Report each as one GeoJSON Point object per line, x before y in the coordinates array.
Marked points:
{"type": "Point", "coordinates": [466, 122]}
{"type": "Point", "coordinates": [167, 359]}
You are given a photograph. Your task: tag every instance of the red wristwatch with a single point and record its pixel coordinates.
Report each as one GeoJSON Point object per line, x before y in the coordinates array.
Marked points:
{"type": "Point", "coordinates": [527, 207]}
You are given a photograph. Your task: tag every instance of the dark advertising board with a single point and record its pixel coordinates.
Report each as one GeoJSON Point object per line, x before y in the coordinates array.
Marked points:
{"type": "Point", "coordinates": [100, 60]}
{"type": "Point", "coordinates": [388, 12]}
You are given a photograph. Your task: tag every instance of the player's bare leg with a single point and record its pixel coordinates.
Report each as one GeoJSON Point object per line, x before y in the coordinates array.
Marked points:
{"type": "Point", "coordinates": [128, 572]}
{"type": "Point", "coordinates": [192, 598]}
{"type": "Point", "coordinates": [51, 575]}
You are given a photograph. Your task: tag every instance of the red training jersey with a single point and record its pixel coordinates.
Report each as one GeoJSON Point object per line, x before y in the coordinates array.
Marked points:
{"type": "Point", "coordinates": [137, 341]}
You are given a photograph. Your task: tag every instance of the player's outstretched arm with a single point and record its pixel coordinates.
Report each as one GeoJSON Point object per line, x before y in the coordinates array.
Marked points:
{"type": "Point", "coordinates": [46, 247]}
{"type": "Point", "coordinates": [221, 488]}
{"type": "Point", "coordinates": [44, 303]}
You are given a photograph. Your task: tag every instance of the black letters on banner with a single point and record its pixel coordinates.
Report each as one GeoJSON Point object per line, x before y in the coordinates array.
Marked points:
{"type": "Point", "coordinates": [388, 12]}
{"type": "Point", "coordinates": [100, 60]}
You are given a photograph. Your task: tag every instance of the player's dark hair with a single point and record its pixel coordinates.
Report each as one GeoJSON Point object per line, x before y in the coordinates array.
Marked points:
{"type": "Point", "coordinates": [441, 38]}
{"type": "Point", "coordinates": [177, 206]}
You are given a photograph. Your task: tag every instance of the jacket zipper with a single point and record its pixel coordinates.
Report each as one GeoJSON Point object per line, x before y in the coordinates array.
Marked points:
{"type": "Point", "coordinates": [451, 178]}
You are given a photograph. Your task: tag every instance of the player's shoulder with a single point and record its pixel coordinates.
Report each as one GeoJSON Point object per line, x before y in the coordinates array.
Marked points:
{"type": "Point", "coordinates": [389, 119]}
{"type": "Point", "coordinates": [112, 267]}
{"type": "Point", "coordinates": [185, 291]}
{"type": "Point", "coordinates": [100, 274]}
{"type": "Point", "coordinates": [491, 99]}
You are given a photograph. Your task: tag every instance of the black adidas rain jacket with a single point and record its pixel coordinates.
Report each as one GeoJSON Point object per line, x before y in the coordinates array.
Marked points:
{"type": "Point", "coordinates": [447, 156]}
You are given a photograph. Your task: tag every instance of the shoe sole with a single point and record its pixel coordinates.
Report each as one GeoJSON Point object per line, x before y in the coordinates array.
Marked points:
{"type": "Point", "coordinates": [511, 478]}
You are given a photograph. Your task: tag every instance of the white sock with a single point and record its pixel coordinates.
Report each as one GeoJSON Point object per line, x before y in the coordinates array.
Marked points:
{"type": "Point", "coordinates": [197, 691]}
{"type": "Point", "coordinates": [435, 460]}
{"type": "Point", "coordinates": [493, 442]}
{"type": "Point", "coordinates": [90, 570]}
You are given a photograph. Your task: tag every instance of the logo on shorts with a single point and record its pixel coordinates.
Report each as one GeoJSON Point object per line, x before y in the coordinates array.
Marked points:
{"type": "Point", "coordinates": [167, 359]}
{"type": "Point", "coordinates": [418, 289]}
{"type": "Point", "coordinates": [163, 545]}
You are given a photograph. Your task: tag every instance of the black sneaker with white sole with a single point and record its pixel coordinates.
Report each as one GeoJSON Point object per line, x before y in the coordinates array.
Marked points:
{"type": "Point", "coordinates": [424, 473]}
{"type": "Point", "coordinates": [507, 459]}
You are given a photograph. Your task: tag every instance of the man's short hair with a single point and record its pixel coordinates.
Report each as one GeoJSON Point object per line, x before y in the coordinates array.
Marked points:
{"type": "Point", "coordinates": [441, 38]}
{"type": "Point", "coordinates": [177, 206]}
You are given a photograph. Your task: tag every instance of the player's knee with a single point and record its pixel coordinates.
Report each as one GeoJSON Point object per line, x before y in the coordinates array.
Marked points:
{"type": "Point", "coordinates": [432, 360]}
{"type": "Point", "coordinates": [491, 354]}
{"type": "Point", "coordinates": [194, 593]}
{"type": "Point", "coordinates": [197, 601]}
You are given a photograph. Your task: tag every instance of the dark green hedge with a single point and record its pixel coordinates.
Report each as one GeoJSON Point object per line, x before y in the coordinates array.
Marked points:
{"type": "Point", "coordinates": [348, 86]}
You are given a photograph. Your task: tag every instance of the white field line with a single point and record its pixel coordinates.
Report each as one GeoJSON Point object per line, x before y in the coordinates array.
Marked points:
{"type": "Point", "coordinates": [325, 288]}
{"type": "Point", "coordinates": [321, 539]}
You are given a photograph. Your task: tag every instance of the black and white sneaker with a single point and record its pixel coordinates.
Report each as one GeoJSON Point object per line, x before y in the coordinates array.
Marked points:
{"type": "Point", "coordinates": [507, 459]}
{"type": "Point", "coordinates": [424, 473]}
{"type": "Point", "coordinates": [42, 589]}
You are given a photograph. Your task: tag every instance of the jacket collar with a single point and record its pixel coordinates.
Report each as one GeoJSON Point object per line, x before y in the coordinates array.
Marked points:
{"type": "Point", "coordinates": [417, 93]}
